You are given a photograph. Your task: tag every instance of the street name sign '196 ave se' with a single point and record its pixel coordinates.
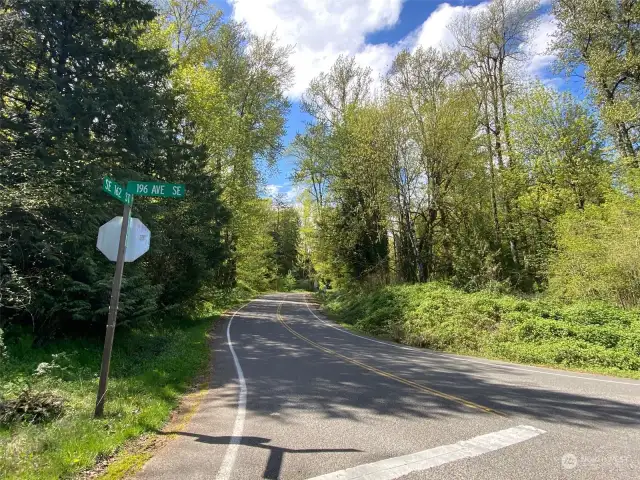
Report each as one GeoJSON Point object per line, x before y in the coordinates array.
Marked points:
{"type": "Point", "coordinates": [155, 189]}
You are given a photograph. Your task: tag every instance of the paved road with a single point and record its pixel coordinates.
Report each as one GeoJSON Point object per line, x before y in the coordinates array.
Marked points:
{"type": "Point", "coordinates": [295, 397]}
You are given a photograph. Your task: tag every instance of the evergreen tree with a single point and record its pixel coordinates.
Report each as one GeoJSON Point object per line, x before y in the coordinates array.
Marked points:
{"type": "Point", "coordinates": [83, 98]}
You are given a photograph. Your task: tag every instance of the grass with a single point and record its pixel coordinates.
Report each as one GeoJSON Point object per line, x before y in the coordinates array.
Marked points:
{"type": "Point", "coordinates": [586, 336]}
{"type": "Point", "coordinates": [151, 369]}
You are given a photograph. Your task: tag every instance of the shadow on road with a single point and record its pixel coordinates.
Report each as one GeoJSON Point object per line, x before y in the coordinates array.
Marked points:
{"type": "Point", "coordinates": [276, 454]}
{"type": "Point", "coordinates": [283, 372]}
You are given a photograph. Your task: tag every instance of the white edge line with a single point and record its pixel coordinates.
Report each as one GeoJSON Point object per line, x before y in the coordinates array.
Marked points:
{"type": "Point", "coordinates": [464, 359]}
{"type": "Point", "coordinates": [397, 467]}
{"type": "Point", "coordinates": [229, 459]}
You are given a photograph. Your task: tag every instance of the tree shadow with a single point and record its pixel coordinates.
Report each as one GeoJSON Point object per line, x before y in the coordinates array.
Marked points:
{"type": "Point", "coordinates": [280, 367]}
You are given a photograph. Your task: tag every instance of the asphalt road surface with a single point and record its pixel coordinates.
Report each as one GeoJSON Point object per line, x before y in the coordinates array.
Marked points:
{"type": "Point", "coordinates": [295, 397]}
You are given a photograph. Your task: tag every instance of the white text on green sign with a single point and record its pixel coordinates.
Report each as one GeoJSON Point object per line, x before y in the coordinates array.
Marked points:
{"type": "Point", "coordinates": [155, 189]}
{"type": "Point", "coordinates": [116, 190]}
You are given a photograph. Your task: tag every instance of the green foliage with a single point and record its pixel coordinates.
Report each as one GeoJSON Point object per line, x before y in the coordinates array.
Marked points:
{"type": "Point", "coordinates": [561, 168]}
{"type": "Point", "coordinates": [586, 335]}
{"type": "Point", "coordinates": [597, 253]}
{"type": "Point", "coordinates": [601, 38]}
{"type": "Point", "coordinates": [68, 116]}
{"type": "Point", "coordinates": [289, 282]}
{"type": "Point", "coordinates": [339, 160]}
{"type": "Point", "coordinates": [255, 251]}
{"type": "Point", "coordinates": [285, 231]}
{"type": "Point", "coordinates": [232, 90]}
{"type": "Point", "coordinates": [179, 97]}
{"type": "Point", "coordinates": [394, 196]}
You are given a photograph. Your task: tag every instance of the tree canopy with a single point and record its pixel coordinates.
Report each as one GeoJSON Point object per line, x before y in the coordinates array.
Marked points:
{"type": "Point", "coordinates": [138, 92]}
{"type": "Point", "coordinates": [460, 169]}
{"type": "Point", "coordinates": [454, 167]}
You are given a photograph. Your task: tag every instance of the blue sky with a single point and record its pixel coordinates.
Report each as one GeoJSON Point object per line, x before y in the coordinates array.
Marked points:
{"type": "Point", "coordinates": [374, 31]}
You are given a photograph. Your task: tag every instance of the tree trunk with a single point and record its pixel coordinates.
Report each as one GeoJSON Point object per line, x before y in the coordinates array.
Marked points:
{"type": "Point", "coordinates": [497, 129]}
{"type": "Point", "coordinates": [624, 144]}
{"type": "Point", "coordinates": [492, 173]}
{"type": "Point", "coordinates": [503, 107]}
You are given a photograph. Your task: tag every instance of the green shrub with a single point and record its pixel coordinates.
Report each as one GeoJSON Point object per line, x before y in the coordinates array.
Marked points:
{"type": "Point", "coordinates": [597, 253]}
{"type": "Point", "coordinates": [597, 313]}
{"type": "Point", "coordinates": [539, 329]}
{"type": "Point", "coordinates": [604, 336]}
{"type": "Point", "coordinates": [632, 342]}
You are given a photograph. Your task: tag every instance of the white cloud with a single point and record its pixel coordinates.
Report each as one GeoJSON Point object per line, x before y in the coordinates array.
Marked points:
{"type": "Point", "coordinates": [272, 190]}
{"type": "Point", "coordinates": [434, 32]}
{"type": "Point", "coordinates": [555, 83]}
{"type": "Point", "coordinates": [321, 30]}
{"type": "Point", "coordinates": [289, 192]}
{"type": "Point", "coordinates": [292, 194]}
{"type": "Point", "coordinates": [538, 47]}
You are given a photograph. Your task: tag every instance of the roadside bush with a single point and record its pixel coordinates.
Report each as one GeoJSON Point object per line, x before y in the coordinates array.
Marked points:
{"type": "Point", "coordinates": [597, 253]}
{"type": "Point", "coordinates": [598, 313]}
{"type": "Point", "coordinates": [632, 342]}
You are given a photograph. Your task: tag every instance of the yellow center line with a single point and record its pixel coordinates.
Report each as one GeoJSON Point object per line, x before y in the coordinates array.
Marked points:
{"type": "Point", "coordinates": [382, 373]}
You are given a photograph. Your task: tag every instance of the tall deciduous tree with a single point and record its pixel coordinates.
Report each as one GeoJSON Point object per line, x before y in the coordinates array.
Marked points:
{"type": "Point", "coordinates": [233, 84]}
{"type": "Point", "coordinates": [603, 37]}
{"type": "Point", "coordinates": [492, 38]}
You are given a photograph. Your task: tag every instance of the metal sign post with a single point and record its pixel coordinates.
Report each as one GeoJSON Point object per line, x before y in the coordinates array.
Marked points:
{"type": "Point", "coordinates": [113, 311]}
{"type": "Point", "coordinates": [139, 247]}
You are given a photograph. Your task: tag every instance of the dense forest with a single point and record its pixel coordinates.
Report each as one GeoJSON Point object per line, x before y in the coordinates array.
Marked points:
{"type": "Point", "coordinates": [458, 167]}
{"type": "Point", "coordinates": [90, 89]}
{"type": "Point", "coordinates": [454, 202]}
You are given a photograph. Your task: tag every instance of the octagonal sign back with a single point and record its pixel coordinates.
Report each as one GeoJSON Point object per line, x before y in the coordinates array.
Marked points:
{"type": "Point", "coordinates": [138, 239]}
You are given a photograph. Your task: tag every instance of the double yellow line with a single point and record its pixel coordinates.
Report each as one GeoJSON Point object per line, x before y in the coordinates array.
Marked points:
{"type": "Point", "coordinates": [382, 373]}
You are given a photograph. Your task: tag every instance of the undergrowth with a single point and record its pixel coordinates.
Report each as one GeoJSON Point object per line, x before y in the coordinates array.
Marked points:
{"type": "Point", "coordinates": [590, 336]}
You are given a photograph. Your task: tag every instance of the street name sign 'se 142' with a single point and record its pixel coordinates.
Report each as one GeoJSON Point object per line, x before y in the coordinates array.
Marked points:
{"type": "Point", "coordinates": [116, 190]}
{"type": "Point", "coordinates": [156, 189]}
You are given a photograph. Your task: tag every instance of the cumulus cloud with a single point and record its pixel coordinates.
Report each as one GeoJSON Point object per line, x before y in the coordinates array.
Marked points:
{"type": "Point", "coordinates": [321, 30]}
{"type": "Point", "coordinates": [538, 47]}
{"type": "Point", "coordinates": [434, 32]}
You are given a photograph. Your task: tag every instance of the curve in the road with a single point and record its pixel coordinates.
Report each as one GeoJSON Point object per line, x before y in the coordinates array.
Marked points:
{"type": "Point", "coordinates": [382, 373]}
{"type": "Point", "coordinates": [465, 359]}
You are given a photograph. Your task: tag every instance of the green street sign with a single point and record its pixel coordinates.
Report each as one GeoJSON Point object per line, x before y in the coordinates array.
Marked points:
{"type": "Point", "coordinates": [116, 190]}
{"type": "Point", "coordinates": [156, 189]}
